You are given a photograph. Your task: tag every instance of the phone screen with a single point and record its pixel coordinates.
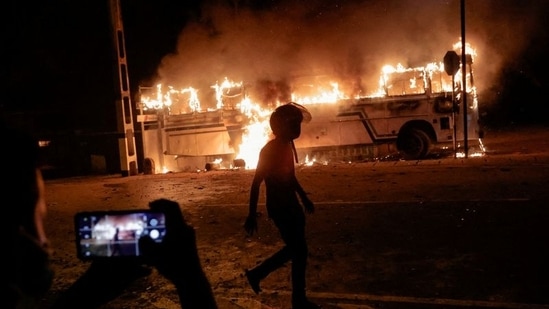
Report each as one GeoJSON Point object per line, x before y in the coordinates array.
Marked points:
{"type": "Point", "coordinates": [109, 234]}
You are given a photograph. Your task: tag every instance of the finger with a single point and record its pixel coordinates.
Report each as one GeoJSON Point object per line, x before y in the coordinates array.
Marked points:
{"type": "Point", "coordinates": [148, 248]}
{"type": "Point", "coordinates": [174, 216]}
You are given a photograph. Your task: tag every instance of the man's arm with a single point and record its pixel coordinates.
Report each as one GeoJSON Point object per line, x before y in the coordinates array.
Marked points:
{"type": "Point", "coordinates": [307, 203]}
{"type": "Point", "coordinates": [251, 221]}
{"type": "Point", "coordinates": [254, 195]}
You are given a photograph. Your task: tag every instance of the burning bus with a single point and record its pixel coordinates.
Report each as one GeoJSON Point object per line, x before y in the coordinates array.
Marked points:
{"type": "Point", "coordinates": [414, 111]}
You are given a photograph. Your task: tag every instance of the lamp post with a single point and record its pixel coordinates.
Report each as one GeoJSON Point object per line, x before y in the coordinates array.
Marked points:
{"type": "Point", "coordinates": [464, 79]}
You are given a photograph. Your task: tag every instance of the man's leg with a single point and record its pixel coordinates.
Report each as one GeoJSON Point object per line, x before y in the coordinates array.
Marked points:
{"type": "Point", "coordinates": [271, 264]}
{"type": "Point", "coordinates": [297, 245]}
{"type": "Point", "coordinates": [299, 265]}
{"type": "Point", "coordinates": [293, 234]}
{"type": "Point", "coordinates": [274, 262]}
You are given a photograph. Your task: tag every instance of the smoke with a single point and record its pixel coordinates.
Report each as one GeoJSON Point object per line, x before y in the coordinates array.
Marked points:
{"type": "Point", "coordinates": [270, 46]}
{"type": "Point", "coordinates": [502, 31]}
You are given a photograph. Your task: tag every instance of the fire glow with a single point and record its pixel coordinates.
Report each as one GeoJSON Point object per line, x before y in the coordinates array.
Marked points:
{"type": "Point", "coordinates": [231, 95]}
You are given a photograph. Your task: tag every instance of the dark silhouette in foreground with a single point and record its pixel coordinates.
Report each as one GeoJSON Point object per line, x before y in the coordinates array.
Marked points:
{"type": "Point", "coordinates": [28, 275]}
{"type": "Point", "coordinates": [176, 258]}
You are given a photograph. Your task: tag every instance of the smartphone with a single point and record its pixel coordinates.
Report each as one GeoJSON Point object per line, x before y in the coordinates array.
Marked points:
{"type": "Point", "coordinates": [115, 234]}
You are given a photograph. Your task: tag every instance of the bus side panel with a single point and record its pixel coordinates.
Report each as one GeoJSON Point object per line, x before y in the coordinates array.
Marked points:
{"type": "Point", "coordinates": [333, 133]}
{"type": "Point", "coordinates": [329, 128]}
{"type": "Point", "coordinates": [194, 143]}
{"type": "Point", "coordinates": [152, 148]}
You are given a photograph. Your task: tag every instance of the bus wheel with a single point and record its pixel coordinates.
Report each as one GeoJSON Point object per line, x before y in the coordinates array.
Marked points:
{"type": "Point", "coordinates": [413, 144]}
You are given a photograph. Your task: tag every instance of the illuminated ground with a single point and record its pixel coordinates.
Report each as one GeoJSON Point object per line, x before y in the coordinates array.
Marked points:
{"type": "Point", "coordinates": [446, 232]}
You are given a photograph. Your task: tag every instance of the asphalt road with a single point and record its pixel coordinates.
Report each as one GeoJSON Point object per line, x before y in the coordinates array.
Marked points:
{"type": "Point", "coordinates": [441, 233]}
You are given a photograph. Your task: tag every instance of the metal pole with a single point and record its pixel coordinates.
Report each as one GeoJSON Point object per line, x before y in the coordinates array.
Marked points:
{"type": "Point", "coordinates": [126, 141]}
{"type": "Point", "coordinates": [464, 79]}
{"type": "Point", "coordinates": [454, 135]}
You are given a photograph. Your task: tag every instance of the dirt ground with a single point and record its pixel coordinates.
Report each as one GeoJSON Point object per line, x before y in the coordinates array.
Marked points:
{"type": "Point", "coordinates": [384, 232]}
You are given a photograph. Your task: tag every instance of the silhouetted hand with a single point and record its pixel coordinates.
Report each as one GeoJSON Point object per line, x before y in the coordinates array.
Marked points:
{"type": "Point", "coordinates": [308, 205]}
{"type": "Point", "coordinates": [102, 282]}
{"type": "Point", "coordinates": [177, 254]}
{"type": "Point", "coordinates": [177, 259]}
{"type": "Point", "coordinates": [251, 224]}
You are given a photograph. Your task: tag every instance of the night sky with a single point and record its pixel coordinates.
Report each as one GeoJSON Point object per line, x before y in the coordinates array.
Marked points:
{"type": "Point", "coordinates": [59, 61]}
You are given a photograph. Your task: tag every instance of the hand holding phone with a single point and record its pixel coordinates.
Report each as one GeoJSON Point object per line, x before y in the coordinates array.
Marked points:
{"type": "Point", "coordinates": [116, 234]}
{"type": "Point", "coordinates": [158, 237]}
{"type": "Point", "coordinates": [179, 245]}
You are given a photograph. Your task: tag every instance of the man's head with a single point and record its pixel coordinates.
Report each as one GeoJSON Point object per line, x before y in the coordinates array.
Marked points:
{"type": "Point", "coordinates": [29, 274]}
{"type": "Point", "coordinates": [19, 156]}
{"type": "Point", "coordinates": [286, 120]}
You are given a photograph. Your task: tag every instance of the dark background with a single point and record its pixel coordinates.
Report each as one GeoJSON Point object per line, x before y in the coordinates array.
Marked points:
{"type": "Point", "coordinates": [58, 77]}
{"type": "Point", "coordinates": [60, 61]}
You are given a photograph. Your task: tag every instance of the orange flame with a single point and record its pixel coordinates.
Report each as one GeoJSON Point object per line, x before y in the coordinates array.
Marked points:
{"type": "Point", "coordinates": [257, 131]}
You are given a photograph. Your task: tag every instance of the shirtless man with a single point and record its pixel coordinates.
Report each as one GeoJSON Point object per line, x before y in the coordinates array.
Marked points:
{"type": "Point", "coordinates": [276, 168]}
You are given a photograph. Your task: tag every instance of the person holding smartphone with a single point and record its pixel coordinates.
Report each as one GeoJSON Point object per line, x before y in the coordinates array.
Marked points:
{"type": "Point", "coordinates": [27, 274]}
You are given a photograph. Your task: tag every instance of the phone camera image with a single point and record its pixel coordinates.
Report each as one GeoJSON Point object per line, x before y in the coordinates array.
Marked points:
{"type": "Point", "coordinates": [116, 234]}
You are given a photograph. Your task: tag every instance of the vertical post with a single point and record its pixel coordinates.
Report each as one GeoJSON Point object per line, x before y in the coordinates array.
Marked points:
{"type": "Point", "coordinates": [126, 137]}
{"type": "Point", "coordinates": [464, 80]}
{"type": "Point", "coordinates": [454, 114]}
{"type": "Point", "coordinates": [451, 66]}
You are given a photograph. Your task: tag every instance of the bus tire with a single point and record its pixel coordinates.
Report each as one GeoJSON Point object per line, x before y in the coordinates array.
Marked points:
{"type": "Point", "coordinates": [414, 144]}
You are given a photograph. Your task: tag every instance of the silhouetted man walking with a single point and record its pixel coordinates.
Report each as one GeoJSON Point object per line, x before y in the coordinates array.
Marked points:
{"type": "Point", "coordinates": [276, 168]}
